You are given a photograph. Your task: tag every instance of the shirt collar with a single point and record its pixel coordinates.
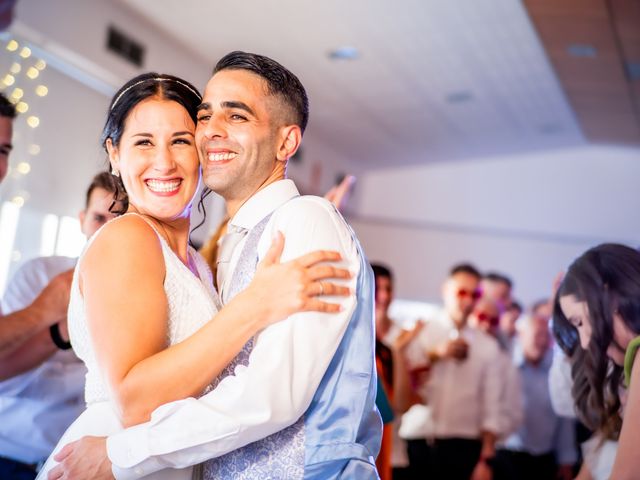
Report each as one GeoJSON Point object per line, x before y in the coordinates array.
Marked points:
{"type": "Point", "coordinates": [263, 203]}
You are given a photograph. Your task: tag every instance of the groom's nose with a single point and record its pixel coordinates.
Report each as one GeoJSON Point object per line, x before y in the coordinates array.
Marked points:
{"type": "Point", "coordinates": [214, 127]}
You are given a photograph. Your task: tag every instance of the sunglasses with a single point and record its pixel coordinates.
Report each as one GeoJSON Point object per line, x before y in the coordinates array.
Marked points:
{"type": "Point", "coordinates": [485, 317]}
{"type": "Point", "coordinates": [474, 294]}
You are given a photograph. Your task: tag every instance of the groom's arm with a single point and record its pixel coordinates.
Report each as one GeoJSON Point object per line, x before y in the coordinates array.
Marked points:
{"type": "Point", "coordinates": [285, 367]}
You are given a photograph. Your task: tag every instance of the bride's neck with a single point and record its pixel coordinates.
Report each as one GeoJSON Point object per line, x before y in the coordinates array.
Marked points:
{"type": "Point", "coordinates": [175, 232]}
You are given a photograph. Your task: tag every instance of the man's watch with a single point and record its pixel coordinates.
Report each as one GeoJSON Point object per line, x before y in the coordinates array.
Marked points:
{"type": "Point", "coordinates": [54, 331]}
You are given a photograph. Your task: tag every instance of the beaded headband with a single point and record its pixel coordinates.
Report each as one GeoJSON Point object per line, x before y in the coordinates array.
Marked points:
{"type": "Point", "coordinates": [157, 79]}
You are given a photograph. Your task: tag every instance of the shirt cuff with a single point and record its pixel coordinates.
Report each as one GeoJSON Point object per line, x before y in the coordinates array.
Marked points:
{"type": "Point", "coordinates": [127, 450]}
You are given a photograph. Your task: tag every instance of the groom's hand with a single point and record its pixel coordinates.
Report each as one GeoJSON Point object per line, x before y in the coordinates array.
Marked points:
{"type": "Point", "coordinates": [86, 458]}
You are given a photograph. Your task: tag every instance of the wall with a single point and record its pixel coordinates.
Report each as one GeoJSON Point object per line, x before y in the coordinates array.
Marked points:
{"type": "Point", "coordinates": [527, 215]}
{"type": "Point", "coordinates": [81, 77]}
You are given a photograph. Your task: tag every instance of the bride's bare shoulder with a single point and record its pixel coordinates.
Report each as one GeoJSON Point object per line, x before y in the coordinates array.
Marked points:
{"type": "Point", "coordinates": [126, 239]}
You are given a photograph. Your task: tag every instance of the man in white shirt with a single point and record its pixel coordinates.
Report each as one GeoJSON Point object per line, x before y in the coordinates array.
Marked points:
{"type": "Point", "coordinates": [42, 381]}
{"type": "Point", "coordinates": [462, 388]}
{"type": "Point", "coordinates": [299, 402]}
{"type": "Point", "coordinates": [51, 305]}
{"type": "Point", "coordinates": [486, 317]}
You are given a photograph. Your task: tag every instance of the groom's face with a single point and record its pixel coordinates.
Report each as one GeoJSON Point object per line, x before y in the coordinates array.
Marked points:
{"type": "Point", "coordinates": [236, 134]}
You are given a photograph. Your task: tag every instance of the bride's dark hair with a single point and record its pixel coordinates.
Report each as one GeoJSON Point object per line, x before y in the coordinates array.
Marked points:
{"type": "Point", "coordinates": [147, 85]}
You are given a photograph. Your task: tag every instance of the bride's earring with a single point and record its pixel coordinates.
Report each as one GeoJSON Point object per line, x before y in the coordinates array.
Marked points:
{"type": "Point", "coordinates": [115, 172]}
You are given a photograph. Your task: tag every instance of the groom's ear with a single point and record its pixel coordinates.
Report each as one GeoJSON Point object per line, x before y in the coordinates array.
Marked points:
{"type": "Point", "coordinates": [289, 138]}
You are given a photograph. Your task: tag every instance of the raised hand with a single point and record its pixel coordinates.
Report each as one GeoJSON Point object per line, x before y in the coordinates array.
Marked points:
{"type": "Point", "coordinates": [54, 299]}
{"type": "Point", "coordinates": [339, 194]}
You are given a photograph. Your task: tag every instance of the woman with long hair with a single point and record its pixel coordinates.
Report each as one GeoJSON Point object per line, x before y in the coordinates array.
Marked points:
{"type": "Point", "coordinates": [597, 323]}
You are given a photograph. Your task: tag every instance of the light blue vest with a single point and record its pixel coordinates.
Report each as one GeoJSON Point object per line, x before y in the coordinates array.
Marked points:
{"type": "Point", "coordinates": [339, 435]}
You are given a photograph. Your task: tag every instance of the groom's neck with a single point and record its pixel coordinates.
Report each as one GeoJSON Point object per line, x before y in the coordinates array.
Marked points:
{"type": "Point", "coordinates": [233, 205]}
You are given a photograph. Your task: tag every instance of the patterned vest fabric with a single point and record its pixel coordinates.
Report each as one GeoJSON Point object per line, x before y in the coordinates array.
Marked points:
{"type": "Point", "coordinates": [339, 434]}
{"type": "Point", "coordinates": [278, 456]}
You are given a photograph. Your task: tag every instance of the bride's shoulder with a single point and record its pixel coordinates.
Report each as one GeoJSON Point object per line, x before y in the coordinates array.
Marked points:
{"type": "Point", "coordinates": [124, 236]}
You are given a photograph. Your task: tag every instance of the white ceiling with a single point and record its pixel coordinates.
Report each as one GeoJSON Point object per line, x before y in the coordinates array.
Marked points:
{"type": "Point", "coordinates": [391, 105]}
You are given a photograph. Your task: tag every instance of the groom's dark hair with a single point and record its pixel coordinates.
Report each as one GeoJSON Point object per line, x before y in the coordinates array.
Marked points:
{"type": "Point", "coordinates": [280, 82]}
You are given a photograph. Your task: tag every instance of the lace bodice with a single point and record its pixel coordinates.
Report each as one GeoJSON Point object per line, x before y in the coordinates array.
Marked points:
{"type": "Point", "coordinates": [192, 302]}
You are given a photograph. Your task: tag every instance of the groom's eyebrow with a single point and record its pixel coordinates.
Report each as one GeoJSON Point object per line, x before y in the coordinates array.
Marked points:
{"type": "Point", "coordinates": [227, 104]}
{"type": "Point", "coordinates": [237, 105]}
{"type": "Point", "coordinates": [203, 106]}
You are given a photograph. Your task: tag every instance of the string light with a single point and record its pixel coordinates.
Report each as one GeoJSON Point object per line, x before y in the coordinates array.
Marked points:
{"type": "Point", "coordinates": [33, 73]}
{"type": "Point", "coordinates": [17, 93]}
{"type": "Point", "coordinates": [15, 68]}
{"type": "Point", "coordinates": [23, 167]}
{"type": "Point", "coordinates": [18, 201]}
{"type": "Point", "coordinates": [34, 149]}
{"type": "Point", "coordinates": [41, 90]}
{"type": "Point", "coordinates": [12, 46]}
{"type": "Point", "coordinates": [33, 121]}
{"type": "Point", "coordinates": [22, 107]}
{"type": "Point", "coordinates": [25, 52]}
{"type": "Point", "coordinates": [8, 80]}
{"type": "Point", "coordinates": [41, 64]}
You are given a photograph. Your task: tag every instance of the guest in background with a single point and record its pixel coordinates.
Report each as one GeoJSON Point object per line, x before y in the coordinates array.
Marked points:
{"type": "Point", "coordinates": [498, 287]}
{"type": "Point", "coordinates": [486, 317]}
{"type": "Point", "coordinates": [462, 389]}
{"type": "Point", "coordinates": [42, 387]}
{"type": "Point", "coordinates": [597, 317]}
{"type": "Point", "coordinates": [51, 305]}
{"type": "Point", "coordinates": [393, 371]}
{"type": "Point", "coordinates": [544, 446]}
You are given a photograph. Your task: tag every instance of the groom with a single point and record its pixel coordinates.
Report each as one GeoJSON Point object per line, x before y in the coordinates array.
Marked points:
{"type": "Point", "coordinates": [298, 401]}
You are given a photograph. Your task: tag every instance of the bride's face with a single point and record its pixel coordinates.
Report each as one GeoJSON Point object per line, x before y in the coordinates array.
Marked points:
{"type": "Point", "coordinates": [157, 159]}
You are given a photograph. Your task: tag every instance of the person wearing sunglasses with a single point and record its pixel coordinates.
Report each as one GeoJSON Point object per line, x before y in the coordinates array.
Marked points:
{"type": "Point", "coordinates": [486, 317]}
{"type": "Point", "coordinates": [462, 387]}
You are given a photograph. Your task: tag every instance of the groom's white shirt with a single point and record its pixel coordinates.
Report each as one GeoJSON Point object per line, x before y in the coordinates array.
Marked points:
{"type": "Point", "coordinates": [285, 367]}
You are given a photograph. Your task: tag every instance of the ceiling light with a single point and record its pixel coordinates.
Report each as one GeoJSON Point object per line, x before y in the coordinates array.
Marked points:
{"type": "Point", "coordinates": [344, 53]}
{"type": "Point", "coordinates": [550, 128]}
{"type": "Point", "coordinates": [461, 96]}
{"type": "Point", "coordinates": [582, 50]}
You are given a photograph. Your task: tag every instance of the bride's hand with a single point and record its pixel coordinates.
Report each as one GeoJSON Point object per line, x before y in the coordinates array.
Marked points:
{"type": "Point", "coordinates": [282, 289]}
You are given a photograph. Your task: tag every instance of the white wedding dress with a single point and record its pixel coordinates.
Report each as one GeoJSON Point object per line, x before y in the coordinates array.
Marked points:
{"type": "Point", "coordinates": [192, 302]}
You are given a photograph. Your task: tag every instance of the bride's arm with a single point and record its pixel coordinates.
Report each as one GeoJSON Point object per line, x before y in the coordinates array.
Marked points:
{"type": "Point", "coordinates": [127, 313]}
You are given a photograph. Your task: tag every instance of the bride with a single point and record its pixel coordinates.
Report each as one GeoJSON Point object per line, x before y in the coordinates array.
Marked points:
{"type": "Point", "coordinates": [143, 314]}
